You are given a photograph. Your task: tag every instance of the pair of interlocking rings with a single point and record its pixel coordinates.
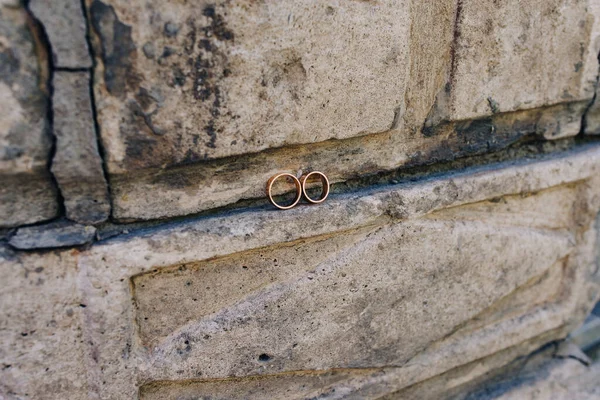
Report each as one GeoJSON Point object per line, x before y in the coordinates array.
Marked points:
{"type": "Point", "coordinates": [300, 188]}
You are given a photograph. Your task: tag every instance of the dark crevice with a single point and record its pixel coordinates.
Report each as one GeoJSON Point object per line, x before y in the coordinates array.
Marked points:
{"type": "Point", "coordinates": [45, 41]}
{"type": "Point", "coordinates": [69, 69]}
{"type": "Point", "coordinates": [101, 150]}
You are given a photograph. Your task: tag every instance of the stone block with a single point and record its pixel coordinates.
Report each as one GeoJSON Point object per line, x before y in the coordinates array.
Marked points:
{"type": "Point", "coordinates": [65, 25]}
{"type": "Point", "coordinates": [180, 83]}
{"type": "Point", "coordinates": [354, 302]}
{"type": "Point", "coordinates": [197, 113]}
{"type": "Point", "coordinates": [77, 165]}
{"type": "Point", "coordinates": [54, 234]}
{"type": "Point", "coordinates": [514, 55]}
{"type": "Point", "coordinates": [27, 194]}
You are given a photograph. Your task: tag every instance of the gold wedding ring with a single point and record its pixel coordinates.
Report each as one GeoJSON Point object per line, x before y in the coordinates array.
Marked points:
{"type": "Point", "coordinates": [299, 191]}
{"type": "Point", "coordinates": [324, 190]}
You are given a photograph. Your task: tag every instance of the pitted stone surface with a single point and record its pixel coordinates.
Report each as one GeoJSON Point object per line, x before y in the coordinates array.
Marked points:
{"type": "Point", "coordinates": [42, 345]}
{"type": "Point", "coordinates": [345, 299]}
{"type": "Point", "coordinates": [27, 194]}
{"type": "Point", "coordinates": [180, 83]}
{"type": "Point", "coordinates": [511, 55]}
{"type": "Point", "coordinates": [518, 262]}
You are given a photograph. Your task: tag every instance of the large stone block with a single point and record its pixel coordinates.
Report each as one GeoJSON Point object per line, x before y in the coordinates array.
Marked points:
{"type": "Point", "coordinates": [27, 194]}
{"type": "Point", "coordinates": [180, 83]}
{"type": "Point", "coordinates": [188, 104]}
{"type": "Point", "coordinates": [354, 303]}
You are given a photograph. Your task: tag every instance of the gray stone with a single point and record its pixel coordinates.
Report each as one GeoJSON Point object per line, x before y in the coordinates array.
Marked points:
{"type": "Point", "coordinates": [587, 335]}
{"type": "Point", "coordinates": [65, 25]}
{"type": "Point", "coordinates": [27, 194]}
{"type": "Point", "coordinates": [155, 194]}
{"type": "Point", "coordinates": [542, 378]}
{"type": "Point", "coordinates": [54, 234]}
{"type": "Point", "coordinates": [223, 87]}
{"type": "Point", "coordinates": [77, 165]}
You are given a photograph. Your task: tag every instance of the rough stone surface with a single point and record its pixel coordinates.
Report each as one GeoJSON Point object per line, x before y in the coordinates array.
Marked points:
{"type": "Point", "coordinates": [65, 25]}
{"type": "Point", "coordinates": [449, 281]}
{"type": "Point", "coordinates": [186, 190]}
{"type": "Point", "coordinates": [193, 102]}
{"type": "Point", "coordinates": [511, 55]}
{"type": "Point", "coordinates": [54, 234]}
{"type": "Point", "coordinates": [27, 194]}
{"type": "Point", "coordinates": [232, 78]}
{"type": "Point", "coordinates": [77, 165]}
{"type": "Point", "coordinates": [42, 341]}
{"type": "Point", "coordinates": [344, 300]}
{"type": "Point", "coordinates": [541, 377]}
{"type": "Point", "coordinates": [176, 314]}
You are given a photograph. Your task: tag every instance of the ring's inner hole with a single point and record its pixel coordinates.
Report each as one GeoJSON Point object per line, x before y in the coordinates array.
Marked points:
{"type": "Point", "coordinates": [315, 186]}
{"type": "Point", "coordinates": [285, 190]}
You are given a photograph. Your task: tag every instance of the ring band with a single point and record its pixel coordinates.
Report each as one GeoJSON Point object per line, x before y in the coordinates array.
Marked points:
{"type": "Point", "coordinates": [324, 191]}
{"type": "Point", "coordinates": [270, 187]}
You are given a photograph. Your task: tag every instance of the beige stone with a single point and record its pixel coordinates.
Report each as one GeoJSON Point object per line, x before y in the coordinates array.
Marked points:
{"type": "Point", "coordinates": [170, 192]}
{"type": "Point", "coordinates": [238, 78]}
{"type": "Point", "coordinates": [42, 343]}
{"type": "Point", "coordinates": [515, 55]}
{"type": "Point", "coordinates": [162, 314]}
{"type": "Point", "coordinates": [197, 113]}
{"type": "Point", "coordinates": [517, 261]}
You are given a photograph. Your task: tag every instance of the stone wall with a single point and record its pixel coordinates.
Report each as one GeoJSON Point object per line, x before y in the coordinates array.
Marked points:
{"type": "Point", "coordinates": [458, 249]}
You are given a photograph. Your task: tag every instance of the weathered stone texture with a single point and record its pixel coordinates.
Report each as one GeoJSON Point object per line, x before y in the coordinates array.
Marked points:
{"type": "Point", "coordinates": [191, 101]}
{"type": "Point", "coordinates": [27, 194]}
{"type": "Point", "coordinates": [65, 25]}
{"type": "Point", "coordinates": [512, 55]}
{"type": "Point", "coordinates": [186, 190]}
{"type": "Point", "coordinates": [354, 285]}
{"type": "Point", "coordinates": [542, 378]}
{"type": "Point", "coordinates": [42, 341]}
{"type": "Point", "coordinates": [232, 78]}
{"type": "Point", "coordinates": [77, 165]}
{"type": "Point", "coordinates": [346, 300]}
{"type": "Point", "coordinates": [54, 234]}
